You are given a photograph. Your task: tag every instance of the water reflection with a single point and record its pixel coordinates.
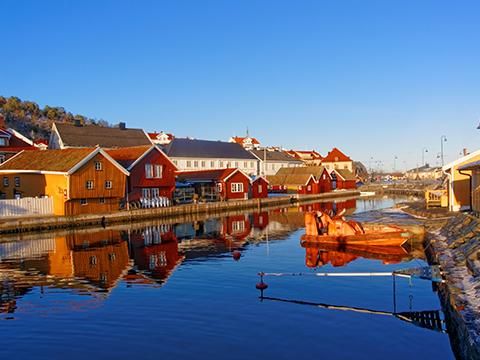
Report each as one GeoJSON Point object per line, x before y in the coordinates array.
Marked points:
{"type": "Point", "coordinates": [93, 262]}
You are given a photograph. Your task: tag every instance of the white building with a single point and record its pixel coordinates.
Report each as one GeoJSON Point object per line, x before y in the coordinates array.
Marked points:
{"type": "Point", "coordinates": [193, 154]}
{"type": "Point", "coordinates": [272, 160]}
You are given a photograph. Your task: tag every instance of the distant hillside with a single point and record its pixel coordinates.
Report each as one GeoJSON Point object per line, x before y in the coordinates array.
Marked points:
{"type": "Point", "coordinates": [30, 120]}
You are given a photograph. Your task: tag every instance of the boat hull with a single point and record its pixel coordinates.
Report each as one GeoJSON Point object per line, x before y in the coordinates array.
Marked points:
{"type": "Point", "coordinates": [397, 238]}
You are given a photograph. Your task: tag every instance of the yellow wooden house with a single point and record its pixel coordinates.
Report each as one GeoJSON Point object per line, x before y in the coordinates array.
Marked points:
{"type": "Point", "coordinates": [463, 186]}
{"type": "Point", "coordinates": [80, 181]}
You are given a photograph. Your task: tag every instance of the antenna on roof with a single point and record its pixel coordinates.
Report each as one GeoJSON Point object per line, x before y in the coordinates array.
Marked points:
{"type": "Point", "coordinates": [247, 133]}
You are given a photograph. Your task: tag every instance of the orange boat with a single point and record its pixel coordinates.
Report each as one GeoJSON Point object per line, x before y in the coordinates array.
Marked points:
{"type": "Point", "coordinates": [337, 230]}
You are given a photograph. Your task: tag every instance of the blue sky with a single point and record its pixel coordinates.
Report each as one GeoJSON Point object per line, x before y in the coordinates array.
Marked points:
{"type": "Point", "coordinates": [378, 79]}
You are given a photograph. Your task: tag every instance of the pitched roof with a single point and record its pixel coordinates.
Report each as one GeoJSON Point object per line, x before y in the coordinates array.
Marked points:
{"type": "Point", "coordinates": [154, 135]}
{"type": "Point", "coordinates": [206, 175]}
{"type": "Point", "coordinates": [47, 160]}
{"type": "Point", "coordinates": [62, 161]}
{"type": "Point", "coordinates": [346, 174]}
{"type": "Point", "coordinates": [302, 170]}
{"type": "Point", "coordinates": [127, 156]}
{"type": "Point", "coordinates": [461, 160]}
{"type": "Point", "coordinates": [180, 147]}
{"type": "Point", "coordinates": [107, 137]}
{"type": "Point", "coordinates": [335, 156]}
{"type": "Point", "coordinates": [274, 156]}
{"type": "Point", "coordinates": [290, 179]}
{"type": "Point", "coordinates": [241, 140]}
{"type": "Point", "coordinates": [305, 154]}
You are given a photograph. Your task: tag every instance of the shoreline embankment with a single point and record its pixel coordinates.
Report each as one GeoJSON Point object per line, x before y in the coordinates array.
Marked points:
{"type": "Point", "coordinates": [453, 241]}
{"type": "Point", "coordinates": [47, 223]}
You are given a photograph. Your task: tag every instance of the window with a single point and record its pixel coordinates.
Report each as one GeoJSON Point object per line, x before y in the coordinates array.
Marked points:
{"type": "Point", "coordinates": [108, 184]}
{"type": "Point", "coordinates": [2, 158]}
{"type": "Point", "coordinates": [245, 164]}
{"type": "Point", "coordinates": [148, 171]}
{"type": "Point", "coordinates": [83, 202]}
{"type": "Point", "coordinates": [236, 164]}
{"type": "Point", "coordinates": [101, 200]}
{"type": "Point", "coordinates": [158, 171]}
{"type": "Point", "coordinates": [195, 164]}
{"type": "Point", "coordinates": [175, 162]}
{"type": "Point", "coordinates": [146, 193]}
{"type": "Point", "coordinates": [309, 188]}
{"type": "Point", "coordinates": [155, 192]}
{"type": "Point", "coordinates": [98, 166]}
{"type": "Point", "coordinates": [212, 164]}
{"type": "Point", "coordinates": [189, 163]}
{"type": "Point", "coordinates": [17, 181]}
{"type": "Point", "coordinates": [93, 260]}
{"type": "Point", "coordinates": [3, 141]}
{"type": "Point", "coordinates": [238, 226]}
{"type": "Point", "coordinates": [260, 189]}
{"type": "Point", "coordinates": [252, 164]}
{"type": "Point", "coordinates": [89, 184]}
{"type": "Point", "coordinates": [5, 181]}
{"type": "Point", "coordinates": [203, 164]}
{"type": "Point", "coordinates": [219, 188]}
{"type": "Point", "coordinates": [221, 164]}
{"type": "Point", "coordinates": [237, 187]}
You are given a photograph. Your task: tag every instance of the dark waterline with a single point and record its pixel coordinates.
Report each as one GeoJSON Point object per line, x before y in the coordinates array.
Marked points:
{"type": "Point", "coordinates": [175, 292]}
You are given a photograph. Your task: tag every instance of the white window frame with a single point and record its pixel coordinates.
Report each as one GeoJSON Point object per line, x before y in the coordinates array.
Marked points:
{"type": "Point", "coordinates": [155, 193]}
{"type": "Point", "coordinates": [108, 184]}
{"type": "Point", "coordinates": [90, 185]}
{"type": "Point", "coordinates": [98, 166]}
{"type": "Point", "coordinates": [83, 201]}
{"type": "Point", "coordinates": [236, 187]}
{"type": "Point", "coordinates": [149, 171]}
{"type": "Point", "coordinates": [16, 180]}
{"type": "Point", "coordinates": [158, 171]}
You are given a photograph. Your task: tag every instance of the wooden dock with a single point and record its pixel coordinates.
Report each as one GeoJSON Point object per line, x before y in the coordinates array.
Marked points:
{"type": "Point", "coordinates": [46, 223]}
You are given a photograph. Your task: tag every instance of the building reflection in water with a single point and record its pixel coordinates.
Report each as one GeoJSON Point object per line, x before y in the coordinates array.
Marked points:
{"type": "Point", "coordinates": [94, 261]}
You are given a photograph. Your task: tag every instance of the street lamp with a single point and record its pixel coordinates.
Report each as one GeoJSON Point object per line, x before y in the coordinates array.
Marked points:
{"type": "Point", "coordinates": [424, 150]}
{"type": "Point", "coordinates": [443, 139]}
{"type": "Point", "coordinates": [395, 163]}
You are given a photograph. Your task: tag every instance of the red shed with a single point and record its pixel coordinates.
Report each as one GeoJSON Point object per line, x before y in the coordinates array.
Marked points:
{"type": "Point", "coordinates": [324, 182]}
{"type": "Point", "coordinates": [309, 186]}
{"type": "Point", "coordinates": [259, 188]}
{"type": "Point", "coordinates": [152, 174]}
{"type": "Point", "coordinates": [344, 179]}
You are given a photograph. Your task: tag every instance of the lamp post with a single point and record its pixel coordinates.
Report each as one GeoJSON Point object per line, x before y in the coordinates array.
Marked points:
{"type": "Point", "coordinates": [424, 150]}
{"type": "Point", "coordinates": [443, 139]}
{"type": "Point", "coordinates": [395, 163]}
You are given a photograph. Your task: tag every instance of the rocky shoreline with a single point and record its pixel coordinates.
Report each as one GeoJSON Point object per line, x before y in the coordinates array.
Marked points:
{"type": "Point", "coordinates": [453, 241]}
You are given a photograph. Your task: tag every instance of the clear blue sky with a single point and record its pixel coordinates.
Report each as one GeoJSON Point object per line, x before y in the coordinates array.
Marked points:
{"type": "Point", "coordinates": [375, 78]}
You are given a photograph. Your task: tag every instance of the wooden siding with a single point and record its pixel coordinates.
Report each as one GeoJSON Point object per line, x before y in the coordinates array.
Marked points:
{"type": "Point", "coordinates": [36, 185]}
{"type": "Point", "coordinates": [137, 179]}
{"type": "Point", "coordinates": [238, 177]}
{"type": "Point", "coordinates": [93, 206]}
{"type": "Point", "coordinates": [259, 188]}
{"type": "Point", "coordinates": [324, 183]}
{"type": "Point", "coordinates": [109, 172]}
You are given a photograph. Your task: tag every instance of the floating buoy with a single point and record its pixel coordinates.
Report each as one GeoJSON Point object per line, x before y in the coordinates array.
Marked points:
{"type": "Point", "coordinates": [261, 286]}
{"type": "Point", "coordinates": [236, 255]}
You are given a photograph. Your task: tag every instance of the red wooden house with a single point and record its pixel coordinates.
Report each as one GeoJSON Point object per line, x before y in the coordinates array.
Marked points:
{"type": "Point", "coordinates": [259, 188]}
{"type": "Point", "coordinates": [309, 186]}
{"type": "Point", "coordinates": [12, 142]}
{"type": "Point", "coordinates": [229, 184]}
{"type": "Point", "coordinates": [152, 174]}
{"type": "Point", "coordinates": [324, 182]}
{"type": "Point", "coordinates": [343, 179]}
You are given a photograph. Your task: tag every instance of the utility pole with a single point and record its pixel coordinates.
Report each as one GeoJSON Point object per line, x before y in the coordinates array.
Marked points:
{"type": "Point", "coordinates": [443, 139]}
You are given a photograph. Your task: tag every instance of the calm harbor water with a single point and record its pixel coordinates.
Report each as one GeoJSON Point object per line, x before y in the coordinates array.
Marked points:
{"type": "Point", "coordinates": [174, 291]}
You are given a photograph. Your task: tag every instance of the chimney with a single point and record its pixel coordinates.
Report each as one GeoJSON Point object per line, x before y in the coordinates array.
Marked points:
{"type": "Point", "coordinates": [122, 126]}
{"type": "Point", "coordinates": [465, 152]}
{"type": "Point", "coordinates": [77, 122]}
